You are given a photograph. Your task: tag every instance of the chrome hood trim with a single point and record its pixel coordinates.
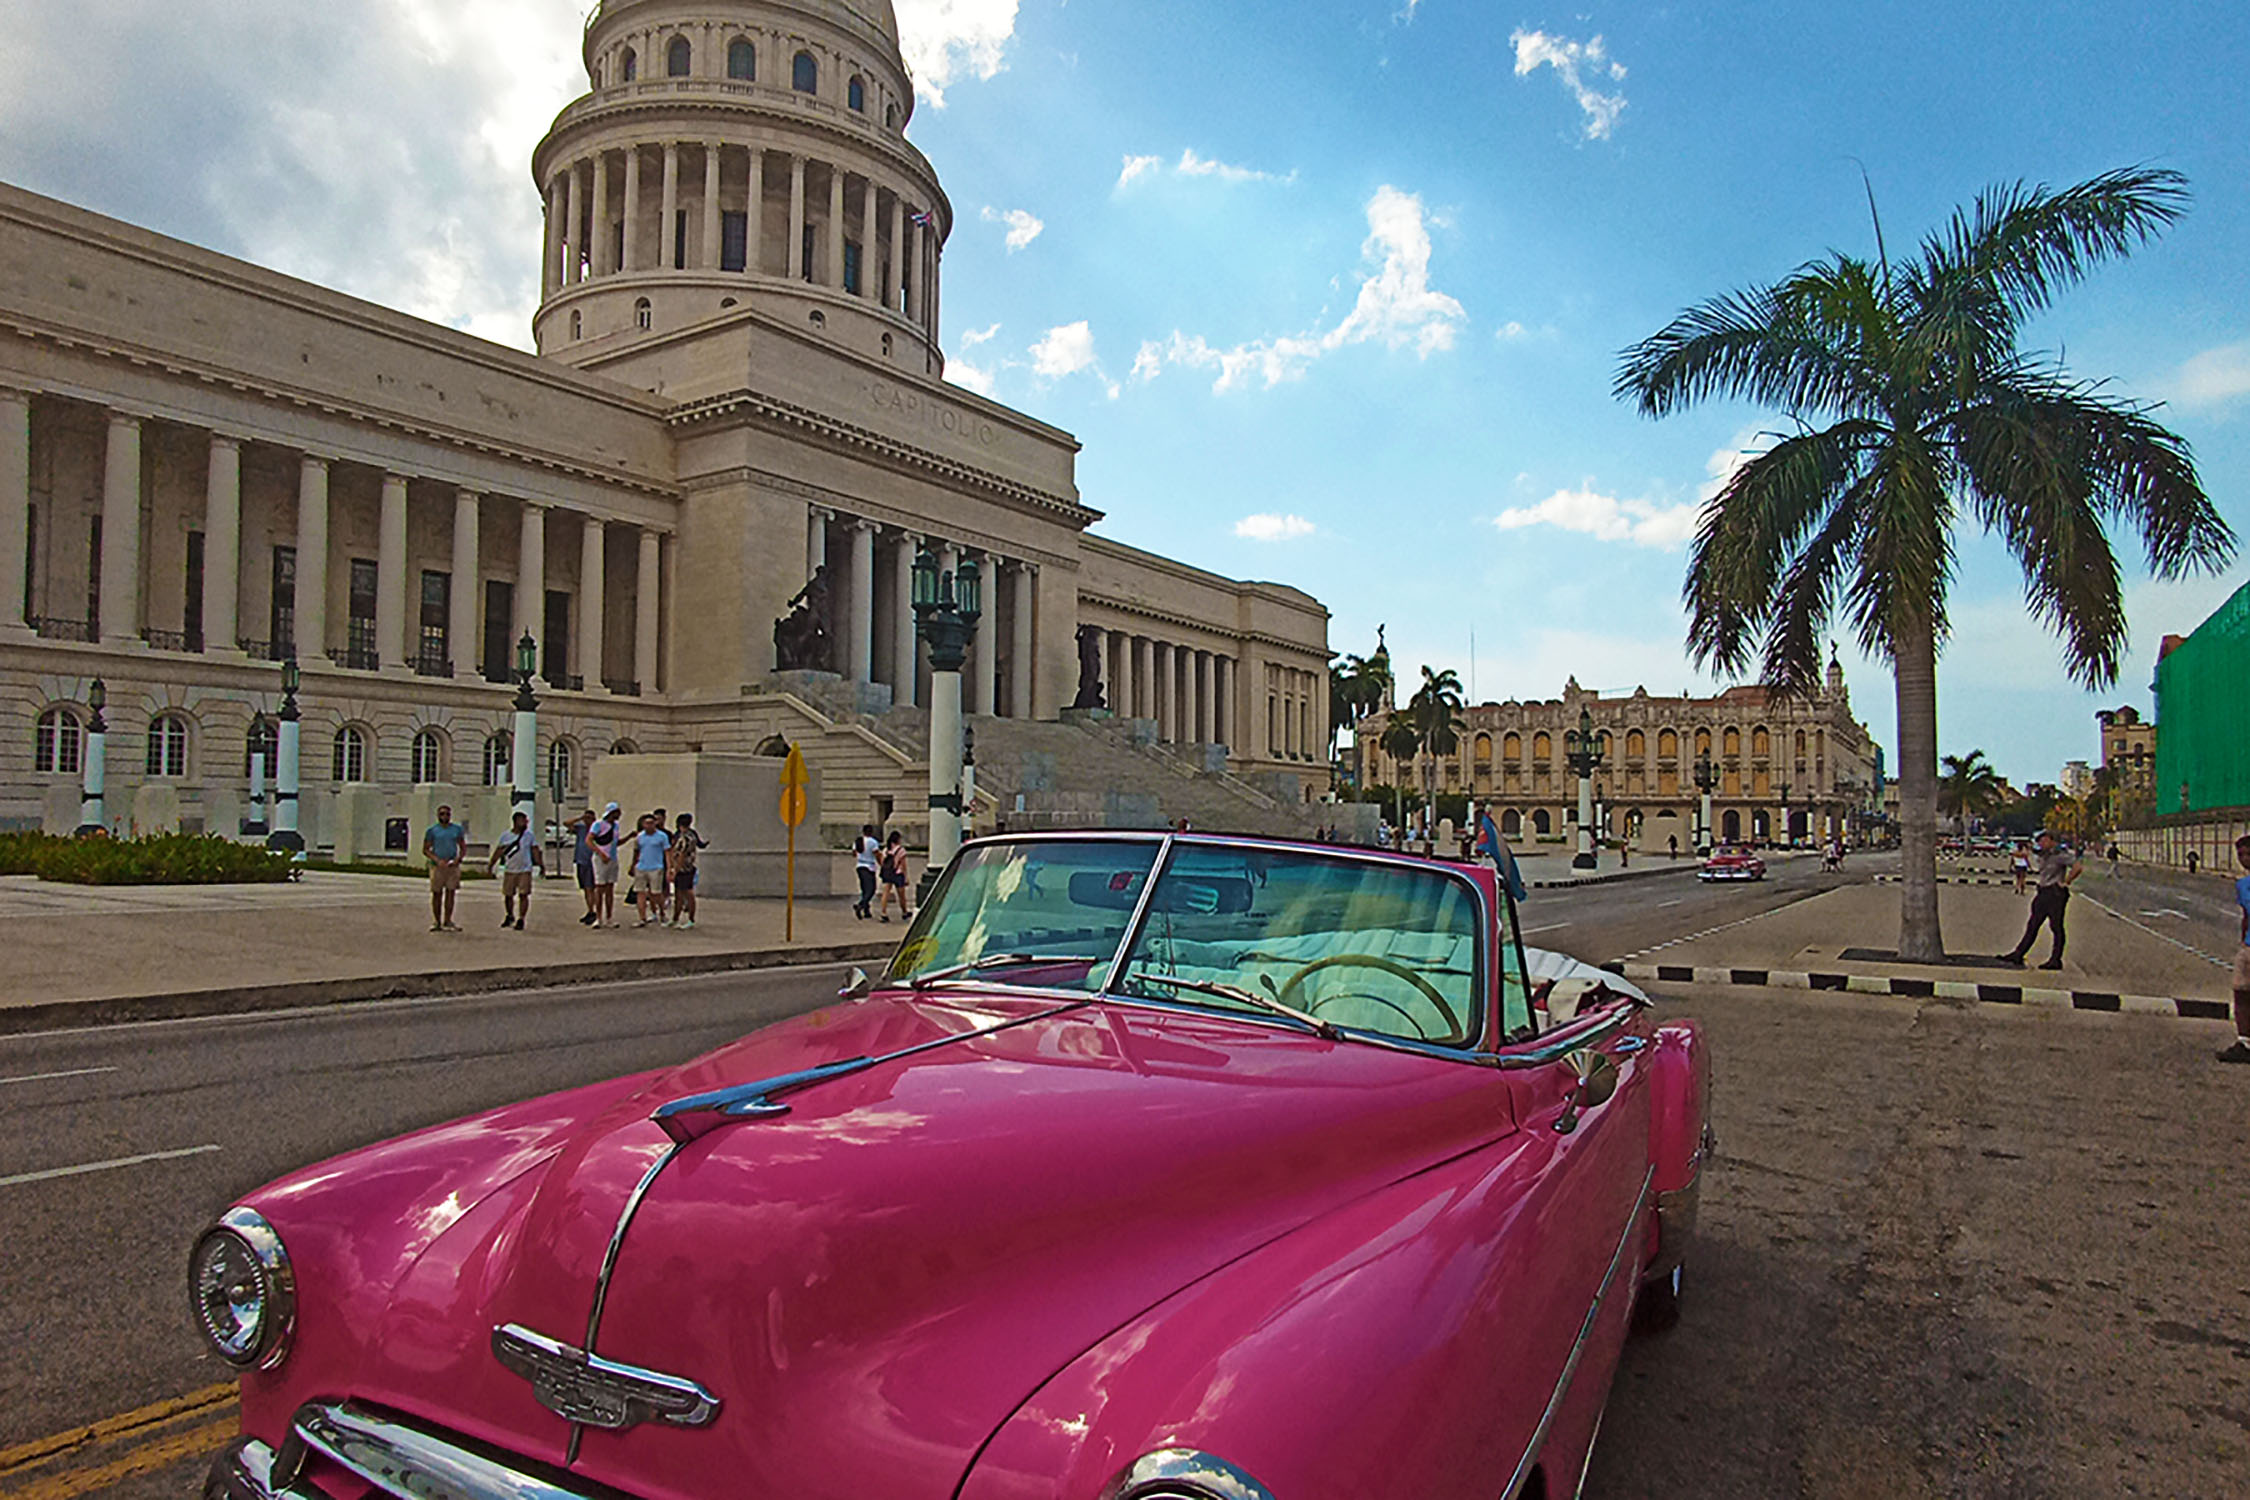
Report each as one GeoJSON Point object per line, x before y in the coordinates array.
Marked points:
{"type": "Point", "coordinates": [582, 1387]}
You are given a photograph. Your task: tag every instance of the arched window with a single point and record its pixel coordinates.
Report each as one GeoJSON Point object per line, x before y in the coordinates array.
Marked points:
{"type": "Point", "coordinates": [1542, 749]}
{"type": "Point", "coordinates": [1511, 824]}
{"type": "Point", "coordinates": [1541, 822]}
{"type": "Point", "coordinates": [1703, 742]}
{"type": "Point", "coordinates": [1761, 743]}
{"type": "Point", "coordinates": [631, 68]}
{"type": "Point", "coordinates": [562, 766]}
{"type": "Point", "coordinates": [60, 745]}
{"type": "Point", "coordinates": [1733, 742]}
{"type": "Point", "coordinates": [499, 759]}
{"type": "Point", "coordinates": [1636, 744]}
{"type": "Point", "coordinates": [1800, 744]}
{"type": "Point", "coordinates": [1667, 745]}
{"type": "Point", "coordinates": [643, 314]}
{"type": "Point", "coordinates": [1730, 827]}
{"type": "Point", "coordinates": [264, 739]}
{"type": "Point", "coordinates": [855, 94]}
{"type": "Point", "coordinates": [890, 116]}
{"type": "Point", "coordinates": [679, 57]}
{"type": "Point", "coordinates": [167, 745]}
{"type": "Point", "coordinates": [347, 762]}
{"type": "Point", "coordinates": [1511, 747]}
{"type": "Point", "coordinates": [742, 60]}
{"type": "Point", "coordinates": [624, 747]}
{"type": "Point", "coordinates": [1482, 752]}
{"type": "Point", "coordinates": [429, 758]}
{"type": "Point", "coordinates": [804, 74]}
{"type": "Point", "coordinates": [577, 324]}
{"type": "Point", "coordinates": [886, 345]}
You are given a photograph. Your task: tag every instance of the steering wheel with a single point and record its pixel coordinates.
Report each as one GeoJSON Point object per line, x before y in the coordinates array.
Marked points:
{"type": "Point", "coordinates": [1370, 961]}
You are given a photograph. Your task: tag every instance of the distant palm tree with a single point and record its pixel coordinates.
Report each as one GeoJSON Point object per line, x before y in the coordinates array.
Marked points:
{"type": "Point", "coordinates": [1401, 741]}
{"type": "Point", "coordinates": [1915, 410]}
{"type": "Point", "coordinates": [1969, 788]}
{"type": "Point", "coordinates": [1357, 686]}
{"type": "Point", "coordinates": [1435, 709]}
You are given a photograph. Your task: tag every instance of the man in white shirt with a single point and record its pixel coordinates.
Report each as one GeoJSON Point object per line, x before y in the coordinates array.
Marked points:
{"type": "Point", "coordinates": [518, 856]}
{"type": "Point", "coordinates": [866, 850]}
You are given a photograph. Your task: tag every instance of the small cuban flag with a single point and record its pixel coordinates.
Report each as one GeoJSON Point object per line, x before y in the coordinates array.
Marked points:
{"type": "Point", "coordinates": [924, 218]}
{"type": "Point", "coordinates": [1503, 858]}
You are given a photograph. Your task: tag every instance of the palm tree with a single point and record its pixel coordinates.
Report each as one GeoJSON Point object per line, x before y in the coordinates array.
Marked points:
{"type": "Point", "coordinates": [1969, 788]}
{"type": "Point", "coordinates": [1401, 741]}
{"type": "Point", "coordinates": [1435, 710]}
{"type": "Point", "coordinates": [1357, 686]}
{"type": "Point", "coordinates": [1915, 410]}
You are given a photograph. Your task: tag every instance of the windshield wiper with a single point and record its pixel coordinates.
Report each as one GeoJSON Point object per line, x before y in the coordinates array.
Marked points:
{"type": "Point", "coordinates": [929, 977]}
{"type": "Point", "coordinates": [1328, 1029]}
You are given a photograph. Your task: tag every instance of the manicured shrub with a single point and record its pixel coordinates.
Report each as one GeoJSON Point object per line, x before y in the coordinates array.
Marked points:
{"type": "Point", "coordinates": [161, 859]}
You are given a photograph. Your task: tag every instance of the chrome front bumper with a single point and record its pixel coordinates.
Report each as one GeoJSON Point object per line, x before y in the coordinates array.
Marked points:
{"type": "Point", "coordinates": [380, 1450]}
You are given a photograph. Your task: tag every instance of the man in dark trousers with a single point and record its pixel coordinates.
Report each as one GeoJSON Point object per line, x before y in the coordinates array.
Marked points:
{"type": "Point", "coordinates": [2057, 867]}
{"type": "Point", "coordinates": [2238, 1050]}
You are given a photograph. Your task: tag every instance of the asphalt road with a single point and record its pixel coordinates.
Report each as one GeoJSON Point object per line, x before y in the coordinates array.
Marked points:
{"type": "Point", "coordinates": [1947, 1252]}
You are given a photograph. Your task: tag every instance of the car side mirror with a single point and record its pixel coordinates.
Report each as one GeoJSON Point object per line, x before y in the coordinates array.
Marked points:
{"type": "Point", "coordinates": [858, 987]}
{"type": "Point", "coordinates": [1596, 1075]}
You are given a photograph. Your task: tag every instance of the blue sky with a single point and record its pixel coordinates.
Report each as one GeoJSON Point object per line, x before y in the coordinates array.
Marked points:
{"type": "Point", "coordinates": [1333, 290]}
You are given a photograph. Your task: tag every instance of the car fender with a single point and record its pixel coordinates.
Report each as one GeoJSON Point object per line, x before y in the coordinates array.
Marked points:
{"type": "Point", "coordinates": [1680, 1136]}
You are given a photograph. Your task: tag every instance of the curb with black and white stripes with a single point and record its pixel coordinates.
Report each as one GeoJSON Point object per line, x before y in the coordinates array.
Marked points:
{"type": "Point", "coordinates": [1931, 989]}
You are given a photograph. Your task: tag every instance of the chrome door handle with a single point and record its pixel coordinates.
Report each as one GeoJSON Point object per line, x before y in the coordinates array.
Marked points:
{"type": "Point", "coordinates": [1627, 1046]}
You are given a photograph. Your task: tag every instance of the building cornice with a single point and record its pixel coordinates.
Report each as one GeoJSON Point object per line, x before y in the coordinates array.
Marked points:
{"type": "Point", "coordinates": [1141, 611]}
{"type": "Point", "coordinates": [1282, 594]}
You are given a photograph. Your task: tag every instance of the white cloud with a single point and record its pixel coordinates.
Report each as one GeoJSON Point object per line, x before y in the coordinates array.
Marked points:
{"type": "Point", "coordinates": [1396, 305]}
{"type": "Point", "coordinates": [1580, 65]}
{"type": "Point", "coordinates": [1192, 165]}
{"type": "Point", "coordinates": [1273, 528]}
{"type": "Point", "coordinates": [1509, 331]}
{"type": "Point", "coordinates": [969, 377]}
{"type": "Point", "coordinates": [1023, 228]}
{"type": "Point", "coordinates": [2216, 377]}
{"type": "Point", "coordinates": [1607, 518]}
{"type": "Point", "coordinates": [1139, 166]}
{"type": "Point", "coordinates": [948, 39]}
{"type": "Point", "coordinates": [1721, 466]}
{"type": "Point", "coordinates": [972, 337]}
{"type": "Point", "coordinates": [1064, 351]}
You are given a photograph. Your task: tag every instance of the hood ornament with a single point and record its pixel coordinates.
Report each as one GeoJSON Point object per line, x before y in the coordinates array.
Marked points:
{"type": "Point", "coordinates": [595, 1392]}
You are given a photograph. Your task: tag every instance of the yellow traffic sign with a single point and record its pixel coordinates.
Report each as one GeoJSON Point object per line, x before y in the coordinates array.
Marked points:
{"type": "Point", "coordinates": [793, 771]}
{"type": "Point", "coordinates": [795, 778]}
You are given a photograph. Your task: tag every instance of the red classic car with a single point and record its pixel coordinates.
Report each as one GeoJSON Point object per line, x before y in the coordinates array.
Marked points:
{"type": "Point", "coordinates": [1154, 1167]}
{"type": "Point", "coordinates": [1732, 862]}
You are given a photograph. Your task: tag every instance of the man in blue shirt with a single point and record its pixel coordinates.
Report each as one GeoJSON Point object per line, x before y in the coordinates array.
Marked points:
{"type": "Point", "coordinates": [651, 846]}
{"type": "Point", "coordinates": [2238, 1050]}
{"type": "Point", "coordinates": [442, 845]}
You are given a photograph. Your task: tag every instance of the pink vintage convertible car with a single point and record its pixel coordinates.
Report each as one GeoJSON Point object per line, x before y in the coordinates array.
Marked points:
{"type": "Point", "coordinates": [1155, 1167]}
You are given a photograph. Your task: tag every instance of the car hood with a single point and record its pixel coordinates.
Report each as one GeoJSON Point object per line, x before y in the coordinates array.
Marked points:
{"type": "Point", "coordinates": [872, 1282]}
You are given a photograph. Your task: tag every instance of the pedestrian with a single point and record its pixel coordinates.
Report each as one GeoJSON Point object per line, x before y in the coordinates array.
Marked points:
{"type": "Point", "coordinates": [652, 846]}
{"type": "Point", "coordinates": [894, 877]}
{"type": "Point", "coordinates": [2195, 860]}
{"type": "Point", "coordinates": [2113, 859]}
{"type": "Point", "coordinates": [2238, 1050]}
{"type": "Point", "coordinates": [2057, 868]}
{"type": "Point", "coordinates": [517, 855]}
{"type": "Point", "coordinates": [2020, 864]}
{"type": "Point", "coordinates": [665, 894]}
{"type": "Point", "coordinates": [686, 844]}
{"type": "Point", "coordinates": [603, 838]}
{"type": "Point", "coordinates": [866, 852]}
{"type": "Point", "coordinates": [442, 844]}
{"type": "Point", "coordinates": [582, 860]}
{"type": "Point", "coordinates": [1672, 843]}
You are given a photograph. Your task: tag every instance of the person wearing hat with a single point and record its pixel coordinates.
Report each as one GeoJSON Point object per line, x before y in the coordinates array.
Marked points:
{"type": "Point", "coordinates": [582, 860]}
{"type": "Point", "coordinates": [2057, 868]}
{"type": "Point", "coordinates": [602, 839]}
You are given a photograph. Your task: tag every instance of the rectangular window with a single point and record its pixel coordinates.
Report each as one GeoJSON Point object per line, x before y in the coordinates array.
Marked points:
{"type": "Point", "coordinates": [435, 651]}
{"type": "Point", "coordinates": [851, 267]}
{"type": "Point", "coordinates": [193, 622]}
{"type": "Point", "coordinates": [679, 240]}
{"type": "Point", "coordinates": [94, 581]}
{"type": "Point", "coordinates": [734, 240]}
{"type": "Point", "coordinates": [555, 649]}
{"type": "Point", "coordinates": [359, 642]}
{"type": "Point", "coordinates": [499, 629]}
{"type": "Point", "coordinates": [282, 626]}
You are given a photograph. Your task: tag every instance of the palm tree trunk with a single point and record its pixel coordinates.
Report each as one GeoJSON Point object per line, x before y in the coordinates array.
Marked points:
{"type": "Point", "coordinates": [1915, 643]}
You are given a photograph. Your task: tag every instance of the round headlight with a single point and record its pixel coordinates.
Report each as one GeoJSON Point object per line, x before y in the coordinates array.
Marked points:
{"type": "Point", "coordinates": [242, 1290]}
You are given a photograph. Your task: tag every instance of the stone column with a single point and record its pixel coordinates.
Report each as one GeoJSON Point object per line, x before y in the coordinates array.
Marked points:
{"type": "Point", "coordinates": [558, 209]}
{"type": "Point", "coordinates": [645, 616]}
{"type": "Point", "coordinates": [1107, 682]}
{"type": "Point", "coordinates": [835, 276]}
{"type": "Point", "coordinates": [667, 239]}
{"type": "Point", "coordinates": [794, 261]}
{"type": "Point", "coordinates": [310, 613]}
{"type": "Point", "coordinates": [593, 574]}
{"type": "Point", "coordinates": [984, 675]}
{"type": "Point", "coordinates": [754, 235]}
{"type": "Point", "coordinates": [121, 531]}
{"type": "Point", "coordinates": [1222, 672]}
{"type": "Point", "coordinates": [902, 618]}
{"type": "Point", "coordinates": [711, 206]}
{"type": "Point", "coordinates": [917, 293]}
{"type": "Point", "coordinates": [1123, 685]}
{"type": "Point", "coordinates": [574, 253]}
{"type": "Point", "coordinates": [894, 273]}
{"type": "Point", "coordinates": [531, 581]}
{"type": "Point", "coordinates": [859, 611]}
{"type": "Point", "coordinates": [390, 575]}
{"type": "Point", "coordinates": [597, 233]}
{"type": "Point", "coordinates": [1206, 698]}
{"type": "Point", "coordinates": [15, 510]}
{"type": "Point", "coordinates": [462, 610]}
{"type": "Point", "coordinates": [1144, 677]}
{"type": "Point", "coordinates": [816, 542]}
{"type": "Point", "coordinates": [1167, 692]}
{"type": "Point", "coordinates": [1021, 668]}
{"type": "Point", "coordinates": [931, 298]}
{"type": "Point", "coordinates": [870, 254]}
{"type": "Point", "coordinates": [632, 208]}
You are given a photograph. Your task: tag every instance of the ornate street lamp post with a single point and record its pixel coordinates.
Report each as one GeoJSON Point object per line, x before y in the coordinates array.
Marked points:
{"type": "Point", "coordinates": [1583, 750]}
{"type": "Point", "coordinates": [524, 751]}
{"type": "Point", "coordinates": [287, 740]}
{"type": "Point", "coordinates": [1706, 782]}
{"type": "Point", "coordinates": [1788, 837]}
{"type": "Point", "coordinates": [946, 609]}
{"type": "Point", "coordinates": [95, 764]}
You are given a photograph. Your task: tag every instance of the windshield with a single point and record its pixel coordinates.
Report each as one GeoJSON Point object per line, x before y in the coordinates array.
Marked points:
{"type": "Point", "coordinates": [1370, 945]}
{"type": "Point", "coordinates": [1047, 913]}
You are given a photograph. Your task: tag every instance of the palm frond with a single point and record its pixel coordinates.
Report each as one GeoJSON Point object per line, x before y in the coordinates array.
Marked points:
{"type": "Point", "coordinates": [2029, 243]}
{"type": "Point", "coordinates": [1744, 345]}
{"type": "Point", "coordinates": [1905, 556]}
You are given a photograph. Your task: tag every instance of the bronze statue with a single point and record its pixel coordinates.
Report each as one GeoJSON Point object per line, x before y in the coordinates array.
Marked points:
{"type": "Point", "coordinates": [1089, 671]}
{"type": "Point", "coordinates": [801, 642]}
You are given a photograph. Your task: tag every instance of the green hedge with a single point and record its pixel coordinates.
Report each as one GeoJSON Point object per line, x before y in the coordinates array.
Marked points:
{"type": "Point", "coordinates": [163, 859]}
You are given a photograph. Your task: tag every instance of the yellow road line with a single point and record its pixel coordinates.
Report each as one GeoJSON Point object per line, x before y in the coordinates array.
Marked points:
{"type": "Point", "coordinates": [160, 1454]}
{"type": "Point", "coordinates": [25, 1455]}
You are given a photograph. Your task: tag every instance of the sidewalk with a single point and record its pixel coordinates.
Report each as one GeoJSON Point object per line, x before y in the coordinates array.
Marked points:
{"type": "Point", "coordinates": [89, 955]}
{"type": "Point", "coordinates": [1847, 938]}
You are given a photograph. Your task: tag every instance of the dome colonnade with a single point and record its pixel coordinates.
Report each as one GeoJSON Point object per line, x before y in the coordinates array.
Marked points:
{"type": "Point", "coordinates": [731, 150]}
